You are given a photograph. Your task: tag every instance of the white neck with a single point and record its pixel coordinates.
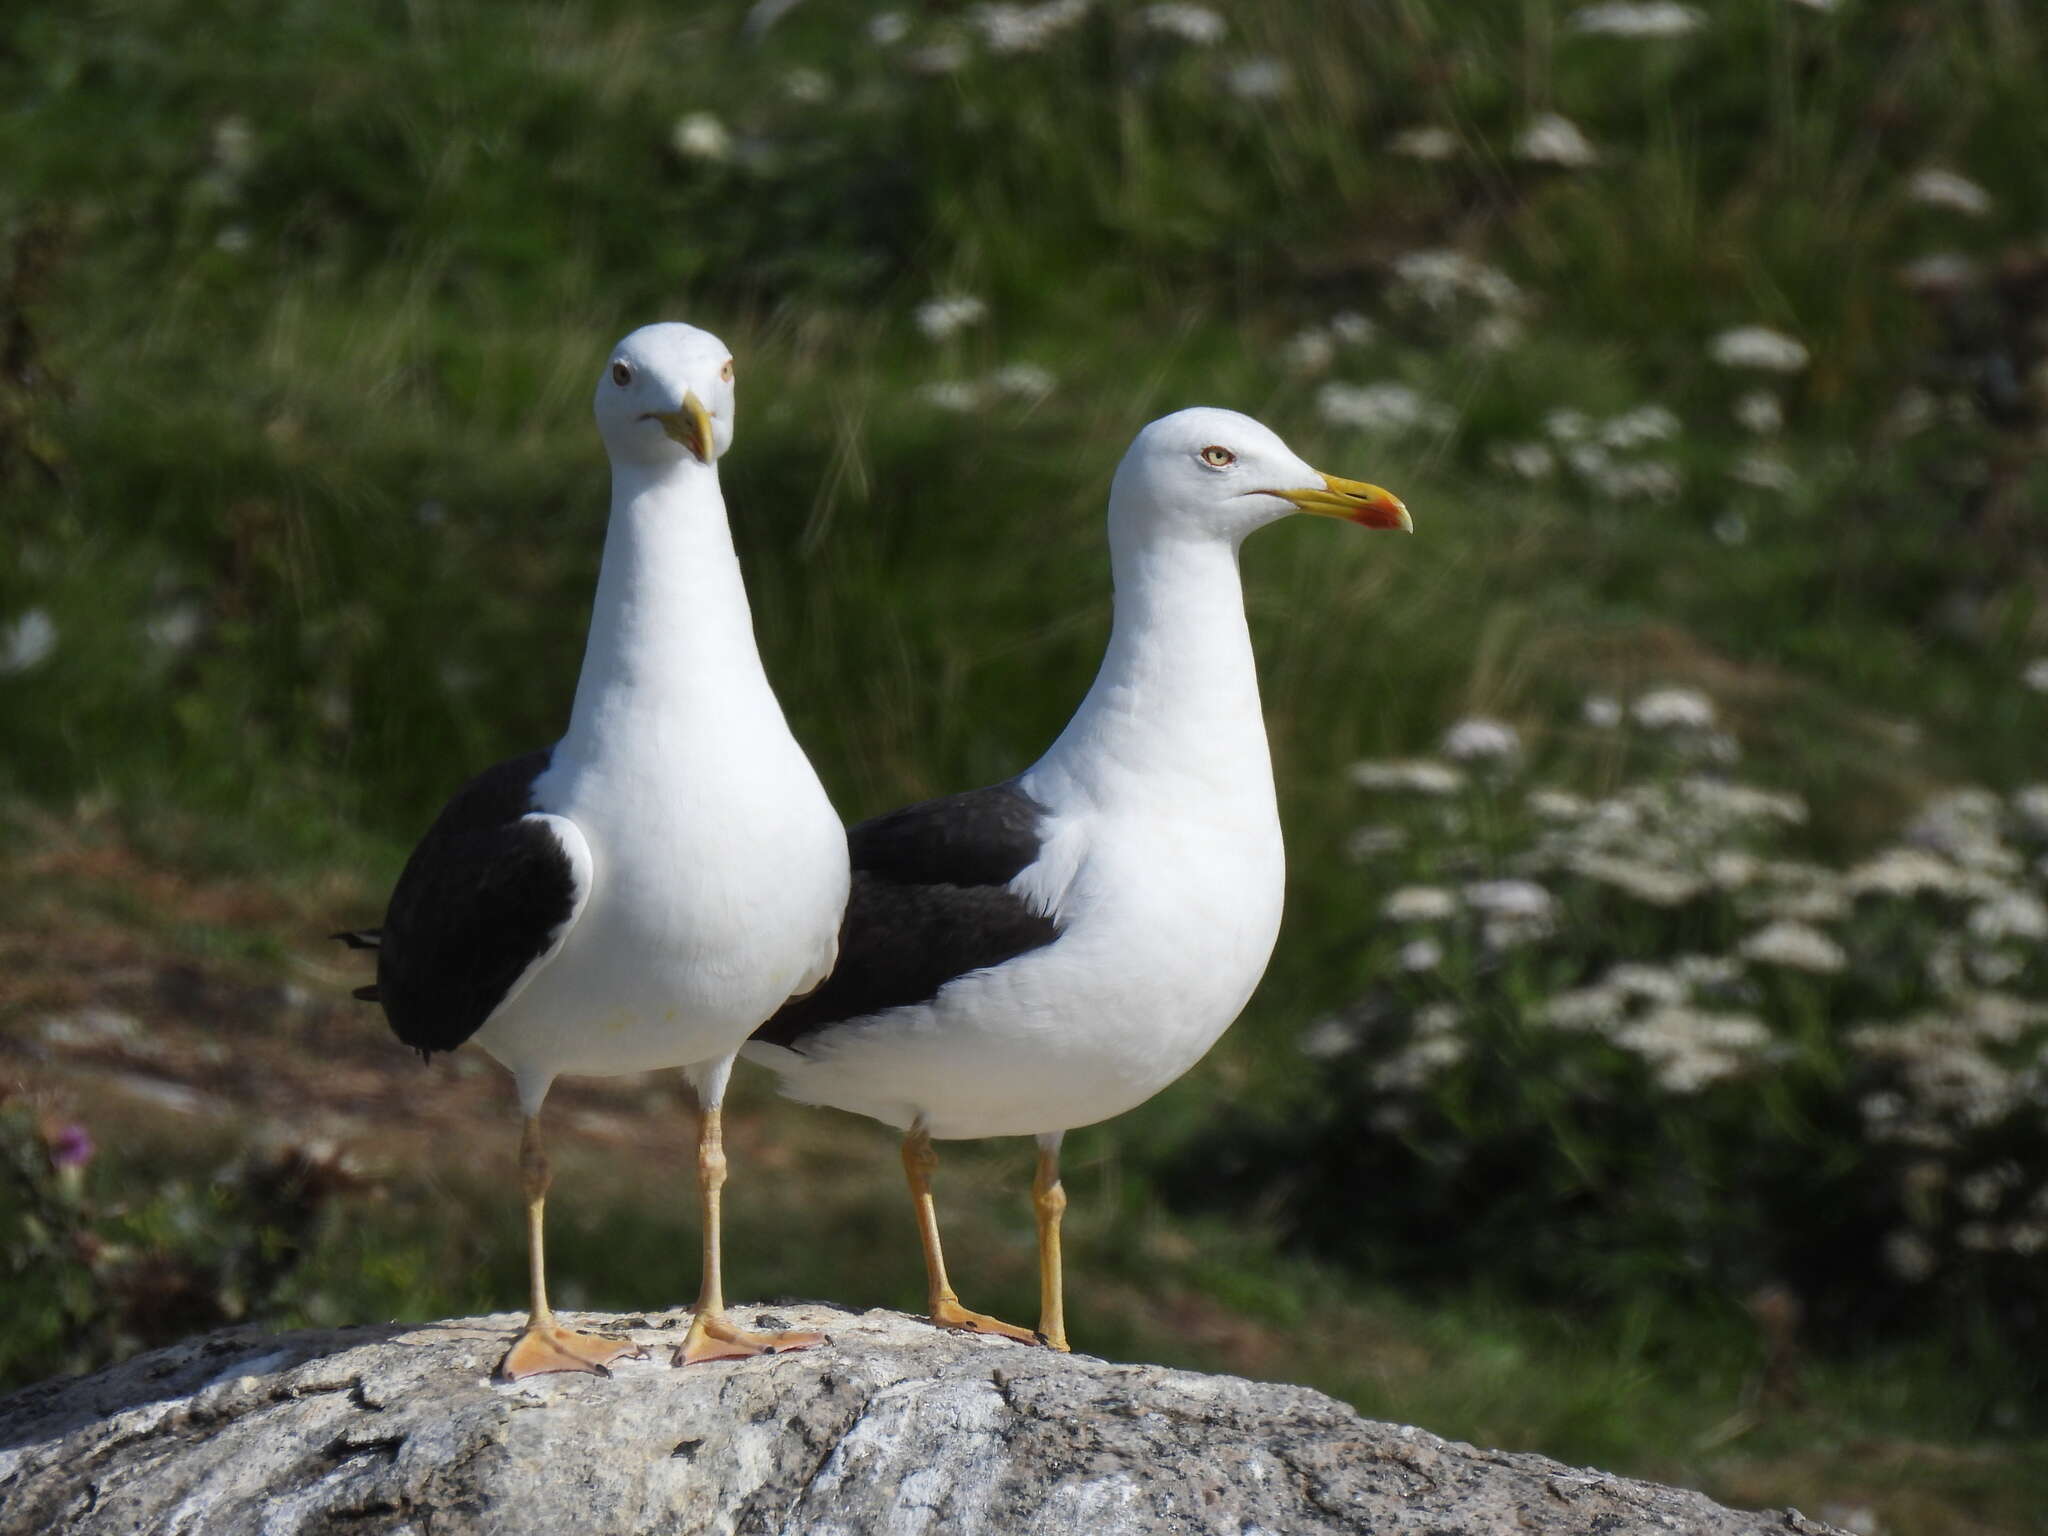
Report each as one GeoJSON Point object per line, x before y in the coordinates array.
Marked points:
{"type": "Point", "coordinates": [670, 633]}
{"type": "Point", "coordinates": [1178, 693]}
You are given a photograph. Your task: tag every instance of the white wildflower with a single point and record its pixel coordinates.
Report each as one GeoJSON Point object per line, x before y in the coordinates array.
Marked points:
{"type": "Point", "coordinates": [1420, 776]}
{"type": "Point", "coordinates": [1419, 904]}
{"type": "Point", "coordinates": [1797, 946]}
{"type": "Point", "coordinates": [1906, 872]}
{"type": "Point", "coordinates": [1480, 740]}
{"type": "Point", "coordinates": [1351, 328]}
{"type": "Point", "coordinates": [1419, 1061]}
{"type": "Point", "coordinates": [1673, 709]}
{"type": "Point", "coordinates": [1525, 461]}
{"type": "Point", "coordinates": [1995, 967]}
{"type": "Point", "coordinates": [2032, 805]}
{"type": "Point", "coordinates": [1758, 347]}
{"type": "Point", "coordinates": [1499, 332]}
{"type": "Point", "coordinates": [1566, 425]}
{"type": "Point", "coordinates": [1818, 5]}
{"type": "Point", "coordinates": [2014, 915]}
{"type": "Point", "coordinates": [1327, 1039]}
{"type": "Point", "coordinates": [1437, 278]}
{"type": "Point", "coordinates": [1372, 842]}
{"type": "Point", "coordinates": [1008, 28]}
{"type": "Point", "coordinates": [1687, 1049]}
{"type": "Point", "coordinates": [1421, 955]}
{"type": "Point", "coordinates": [1263, 78]}
{"type": "Point", "coordinates": [331, 707]}
{"type": "Point", "coordinates": [234, 145]}
{"type": "Point", "coordinates": [1438, 1019]}
{"type": "Point", "coordinates": [1909, 1256]}
{"type": "Point", "coordinates": [1655, 885]}
{"type": "Point", "coordinates": [940, 317]}
{"type": "Point", "coordinates": [1651, 982]}
{"type": "Point", "coordinates": [1554, 140]}
{"type": "Point", "coordinates": [2001, 1018]}
{"type": "Point", "coordinates": [1946, 1071]}
{"type": "Point", "coordinates": [1023, 381]}
{"type": "Point", "coordinates": [1913, 412]}
{"type": "Point", "coordinates": [1732, 869]}
{"type": "Point", "coordinates": [1195, 24]}
{"type": "Point", "coordinates": [172, 630]}
{"type": "Point", "coordinates": [1434, 1045]}
{"type": "Point", "coordinates": [1556, 805]}
{"type": "Point", "coordinates": [887, 28]}
{"type": "Point", "coordinates": [1934, 187]}
{"type": "Point", "coordinates": [1945, 968]}
{"type": "Point", "coordinates": [1310, 351]}
{"type": "Point", "coordinates": [28, 641]}
{"type": "Point", "coordinates": [1425, 142]}
{"type": "Point", "coordinates": [1799, 893]}
{"type": "Point", "coordinates": [1725, 801]}
{"type": "Point", "coordinates": [1386, 407]}
{"type": "Point", "coordinates": [948, 56]}
{"type": "Point", "coordinates": [1594, 1009]}
{"type": "Point", "coordinates": [1963, 825]}
{"type": "Point", "coordinates": [950, 395]}
{"type": "Point", "coordinates": [1636, 480]}
{"type": "Point", "coordinates": [2036, 674]}
{"type": "Point", "coordinates": [811, 87]}
{"type": "Point", "coordinates": [1510, 898]}
{"type": "Point", "coordinates": [1709, 973]}
{"type": "Point", "coordinates": [1759, 411]}
{"type": "Point", "coordinates": [1941, 272]}
{"type": "Point", "coordinates": [701, 136]}
{"type": "Point", "coordinates": [1764, 472]}
{"type": "Point", "coordinates": [1601, 711]}
{"type": "Point", "coordinates": [1638, 18]}
{"type": "Point", "coordinates": [1644, 424]}
{"type": "Point", "coordinates": [1589, 460]}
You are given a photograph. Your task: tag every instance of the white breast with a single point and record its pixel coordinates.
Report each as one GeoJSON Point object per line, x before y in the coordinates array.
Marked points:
{"type": "Point", "coordinates": [718, 869]}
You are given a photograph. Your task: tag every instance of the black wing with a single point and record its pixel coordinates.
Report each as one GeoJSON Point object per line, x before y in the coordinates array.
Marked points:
{"type": "Point", "coordinates": [928, 904]}
{"type": "Point", "coordinates": [479, 901]}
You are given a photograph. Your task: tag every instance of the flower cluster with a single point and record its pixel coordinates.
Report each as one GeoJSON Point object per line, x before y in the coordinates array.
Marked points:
{"type": "Point", "coordinates": [1667, 956]}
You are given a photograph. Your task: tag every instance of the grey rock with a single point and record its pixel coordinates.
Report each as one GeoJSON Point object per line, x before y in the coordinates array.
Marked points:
{"type": "Point", "coordinates": [893, 1427]}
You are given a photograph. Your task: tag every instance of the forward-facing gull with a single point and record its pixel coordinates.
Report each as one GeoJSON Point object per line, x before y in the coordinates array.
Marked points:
{"type": "Point", "coordinates": [650, 888]}
{"type": "Point", "coordinates": [1054, 950]}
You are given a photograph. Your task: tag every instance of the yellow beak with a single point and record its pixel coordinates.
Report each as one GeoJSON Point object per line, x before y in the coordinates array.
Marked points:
{"type": "Point", "coordinates": [689, 425]}
{"type": "Point", "coordinates": [1354, 501]}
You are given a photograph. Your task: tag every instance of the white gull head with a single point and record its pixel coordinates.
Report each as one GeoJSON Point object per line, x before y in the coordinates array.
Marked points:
{"type": "Point", "coordinates": [1216, 474]}
{"type": "Point", "coordinates": [666, 397]}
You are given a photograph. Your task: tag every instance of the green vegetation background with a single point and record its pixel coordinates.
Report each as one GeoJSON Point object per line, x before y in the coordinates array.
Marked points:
{"type": "Point", "coordinates": [303, 304]}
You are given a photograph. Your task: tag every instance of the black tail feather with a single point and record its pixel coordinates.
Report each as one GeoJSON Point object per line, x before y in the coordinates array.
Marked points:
{"type": "Point", "coordinates": [368, 994]}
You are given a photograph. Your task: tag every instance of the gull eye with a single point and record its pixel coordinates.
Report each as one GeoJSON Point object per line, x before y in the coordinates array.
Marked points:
{"type": "Point", "coordinates": [622, 374]}
{"type": "Point", "coordinates": [725, 373]}
{"type": "Point", "coordinates": [1216, 456]}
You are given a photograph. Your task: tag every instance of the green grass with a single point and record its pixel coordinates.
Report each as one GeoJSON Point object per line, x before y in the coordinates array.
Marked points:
{"type": "Point", "coordinates": [302, 304]}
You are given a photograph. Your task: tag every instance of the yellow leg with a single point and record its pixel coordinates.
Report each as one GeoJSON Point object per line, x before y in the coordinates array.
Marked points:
{"type": "Point", "coordinates": [1049, 1201]}
{"type": "Point", "coordinates": [546, 1346]}
{"type": "Point", "coordinates": [712, 1335]}
{"type": "Point", "coordinates": [919, 1161]}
